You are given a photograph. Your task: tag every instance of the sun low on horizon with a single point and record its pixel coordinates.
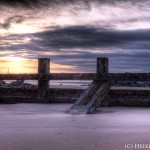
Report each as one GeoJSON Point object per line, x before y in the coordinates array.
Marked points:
{"type": "Point", "coordinates": [73, 34]}
{"type": "Point", "coordinates": [19, 65]}
{"type": "Point", "coordinates": [14, 65]}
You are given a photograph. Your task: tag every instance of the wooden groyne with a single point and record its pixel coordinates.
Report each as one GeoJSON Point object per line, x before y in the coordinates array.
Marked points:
{"type": "Point", "coordinates": [96, 93]}
{"type": "Point", "coordinates": [99, 93]}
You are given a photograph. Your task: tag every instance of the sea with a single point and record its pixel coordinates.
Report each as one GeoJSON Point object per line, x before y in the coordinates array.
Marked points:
{"type": "Point", "coordinates": [72, 84]}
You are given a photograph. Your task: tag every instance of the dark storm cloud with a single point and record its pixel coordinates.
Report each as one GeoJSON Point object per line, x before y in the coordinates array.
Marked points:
{"type": "Point", "coordinates": [45, 3]}
{"type": "Point", "coordinates": [119, 62]}
{"type": "Point", "coordinates": [29, 3]}
{"type": "Point", "coordinates": [12, 20]}
{"type": "Point", "coordinates": [87, 37]}
{"type": "Point", "coordinates": [90, 37]}
{"type": "Point", "coordinates": [80, 45]}
{"type": "Point", "coordinates": [19, 3]}
{"type": "Point", "coordinates": [83, 37]}
{"type": "Point", "coordinates": [33, 3]}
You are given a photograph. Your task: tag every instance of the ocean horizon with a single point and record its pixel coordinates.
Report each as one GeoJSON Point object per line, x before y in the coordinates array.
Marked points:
{"type": "Point", "coordinates": [82, 84]}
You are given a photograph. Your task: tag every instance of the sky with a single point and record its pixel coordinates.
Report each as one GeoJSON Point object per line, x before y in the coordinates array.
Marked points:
{"type": "Point", "coordinates": [73, 33]}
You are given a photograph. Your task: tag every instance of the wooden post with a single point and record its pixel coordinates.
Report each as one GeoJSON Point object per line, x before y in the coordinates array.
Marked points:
{"type": "Point", "coordinates": [103, 69]}
{"type": "Point", "coordinates": [102, 65]}
{"type": "Point", "coordinates": [43, 84]}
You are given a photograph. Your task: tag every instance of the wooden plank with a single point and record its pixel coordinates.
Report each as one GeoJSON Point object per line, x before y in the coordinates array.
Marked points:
{"type": "Point", "coordinates": [78, 76]}
{"type": "Point", "coordinates": [109, 76]}
{"type": "Point", "coordinates": [84, 98]}
{"type": "Point", "coordinates": [43, 83]}
{"type": "Point", "coordinates": [100, 95]}
{"type": "Point", "coordinates": [52, 76]}
{"type": "Point", "coordinates": [114, 91]}
{"type": "Point", "coordinates": [19, 76]}
{"type": "Point", "coordinates": [66, 95]}
{"type": "Point", "coordinates": [129, 76]}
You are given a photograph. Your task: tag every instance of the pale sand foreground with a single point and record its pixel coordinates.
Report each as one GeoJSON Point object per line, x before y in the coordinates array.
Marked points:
{"type": "Point", "coordinates": [48, 127]}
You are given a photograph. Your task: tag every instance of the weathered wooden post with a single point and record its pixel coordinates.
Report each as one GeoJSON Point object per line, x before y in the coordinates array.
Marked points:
{"type": "Point", "coordinates": [102, 71]}
{"type": "Point", "coordinates": [43, 82]}
{"type": "Point", "coordinates": [102, 65]}
{"type": "Point", "coordinates": [97, 92]}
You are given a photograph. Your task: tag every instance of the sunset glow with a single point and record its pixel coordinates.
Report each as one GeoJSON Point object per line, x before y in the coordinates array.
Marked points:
{"type": "Point", "coordinates": [19, 29]}
{"type": "Point", "coordinates": [14, 65]}
{"type": "Point", "coordinates": [73, 34]}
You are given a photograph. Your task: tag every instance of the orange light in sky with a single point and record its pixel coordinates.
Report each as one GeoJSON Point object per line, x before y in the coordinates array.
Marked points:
{"type": "Point", "coordinates": [16, 65]}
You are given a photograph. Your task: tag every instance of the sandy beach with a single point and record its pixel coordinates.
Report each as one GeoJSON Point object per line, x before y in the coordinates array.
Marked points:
{"type": "Point", "coordinates": [49, 127]}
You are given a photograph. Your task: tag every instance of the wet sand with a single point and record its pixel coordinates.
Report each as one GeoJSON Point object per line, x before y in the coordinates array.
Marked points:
{"type": "Point", "coordinates": [49, 127]}
{"type": "Point", "coordinates": [85, 86]}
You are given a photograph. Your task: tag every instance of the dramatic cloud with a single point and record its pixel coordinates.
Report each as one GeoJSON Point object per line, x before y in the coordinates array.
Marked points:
{"type": "Point", "coordinates": [88, 37]}
{"type": "Point", "coordinates": [28, 3]}
{"type": "Point", "coordinates": [79, 46]}
{"type": "Point", "coordinates": [12, 20]}
{"type": "Point", "coordinates": [83, 37]}
{"type": "Point", "coordinates": [74, 33]}
{"type": "Point", "coordinates": [36, 3]}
